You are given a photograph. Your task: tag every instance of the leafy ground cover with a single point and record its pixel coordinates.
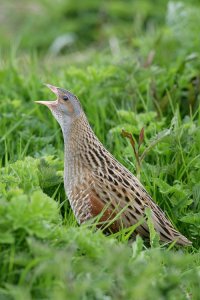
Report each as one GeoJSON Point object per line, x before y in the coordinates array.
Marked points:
{"type": "Point", "coordinates": [132, 67]}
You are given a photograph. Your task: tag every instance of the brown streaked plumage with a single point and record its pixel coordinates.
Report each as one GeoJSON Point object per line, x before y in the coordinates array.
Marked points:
{"type": "Point", "coordinates": [96, 183]}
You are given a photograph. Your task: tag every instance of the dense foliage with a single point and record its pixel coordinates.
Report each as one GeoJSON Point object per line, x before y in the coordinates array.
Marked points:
{"type": "Point", "coordinates": [133, 65]}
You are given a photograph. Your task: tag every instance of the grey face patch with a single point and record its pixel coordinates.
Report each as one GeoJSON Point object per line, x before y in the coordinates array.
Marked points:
{"type": "Point", "coordinates": [64, 110]}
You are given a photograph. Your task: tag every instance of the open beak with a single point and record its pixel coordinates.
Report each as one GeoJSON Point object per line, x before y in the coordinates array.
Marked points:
{"type": "Point", "coordinates": [54, 89]}
{"type": "Point", "coordinates": [50, 104]}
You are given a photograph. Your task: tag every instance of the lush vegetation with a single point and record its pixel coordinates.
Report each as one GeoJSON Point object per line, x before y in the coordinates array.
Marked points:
{"type": "Point", "coordinates": [132, 64]}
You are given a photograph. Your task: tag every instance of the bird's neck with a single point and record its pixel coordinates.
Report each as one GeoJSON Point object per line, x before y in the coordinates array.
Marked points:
{"type": "Point", "coordinates": [74, 132]}
{"type": "Point", "coordinates": [76, 142]}
{"type": "Point", "coordinates": [76, 138]}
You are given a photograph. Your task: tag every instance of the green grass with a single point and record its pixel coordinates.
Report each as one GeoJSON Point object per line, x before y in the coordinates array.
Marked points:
{"type": "Point", "coordinates": [131, 66]}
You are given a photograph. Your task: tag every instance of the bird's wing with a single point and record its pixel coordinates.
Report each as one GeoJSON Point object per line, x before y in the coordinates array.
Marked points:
{"type": "Point", "coordinates": [86, 203]}
{"type": "Point", "coordinates": [115, 185]}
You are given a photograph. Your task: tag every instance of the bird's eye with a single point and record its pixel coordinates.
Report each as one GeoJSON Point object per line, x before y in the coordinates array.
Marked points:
{"type": "Point", "coordinates": [65, 98]}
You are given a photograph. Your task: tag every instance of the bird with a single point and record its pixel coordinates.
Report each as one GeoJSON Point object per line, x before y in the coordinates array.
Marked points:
{"type": "Point", "coordinates": [98, 185]}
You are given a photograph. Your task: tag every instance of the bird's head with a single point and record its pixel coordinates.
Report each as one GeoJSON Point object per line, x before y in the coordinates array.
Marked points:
{"type": "Point", "coordinates": [65, 108]}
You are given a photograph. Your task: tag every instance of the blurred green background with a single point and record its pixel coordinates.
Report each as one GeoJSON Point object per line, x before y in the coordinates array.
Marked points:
{"type": "Point", "coordinates": [80, 27]}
